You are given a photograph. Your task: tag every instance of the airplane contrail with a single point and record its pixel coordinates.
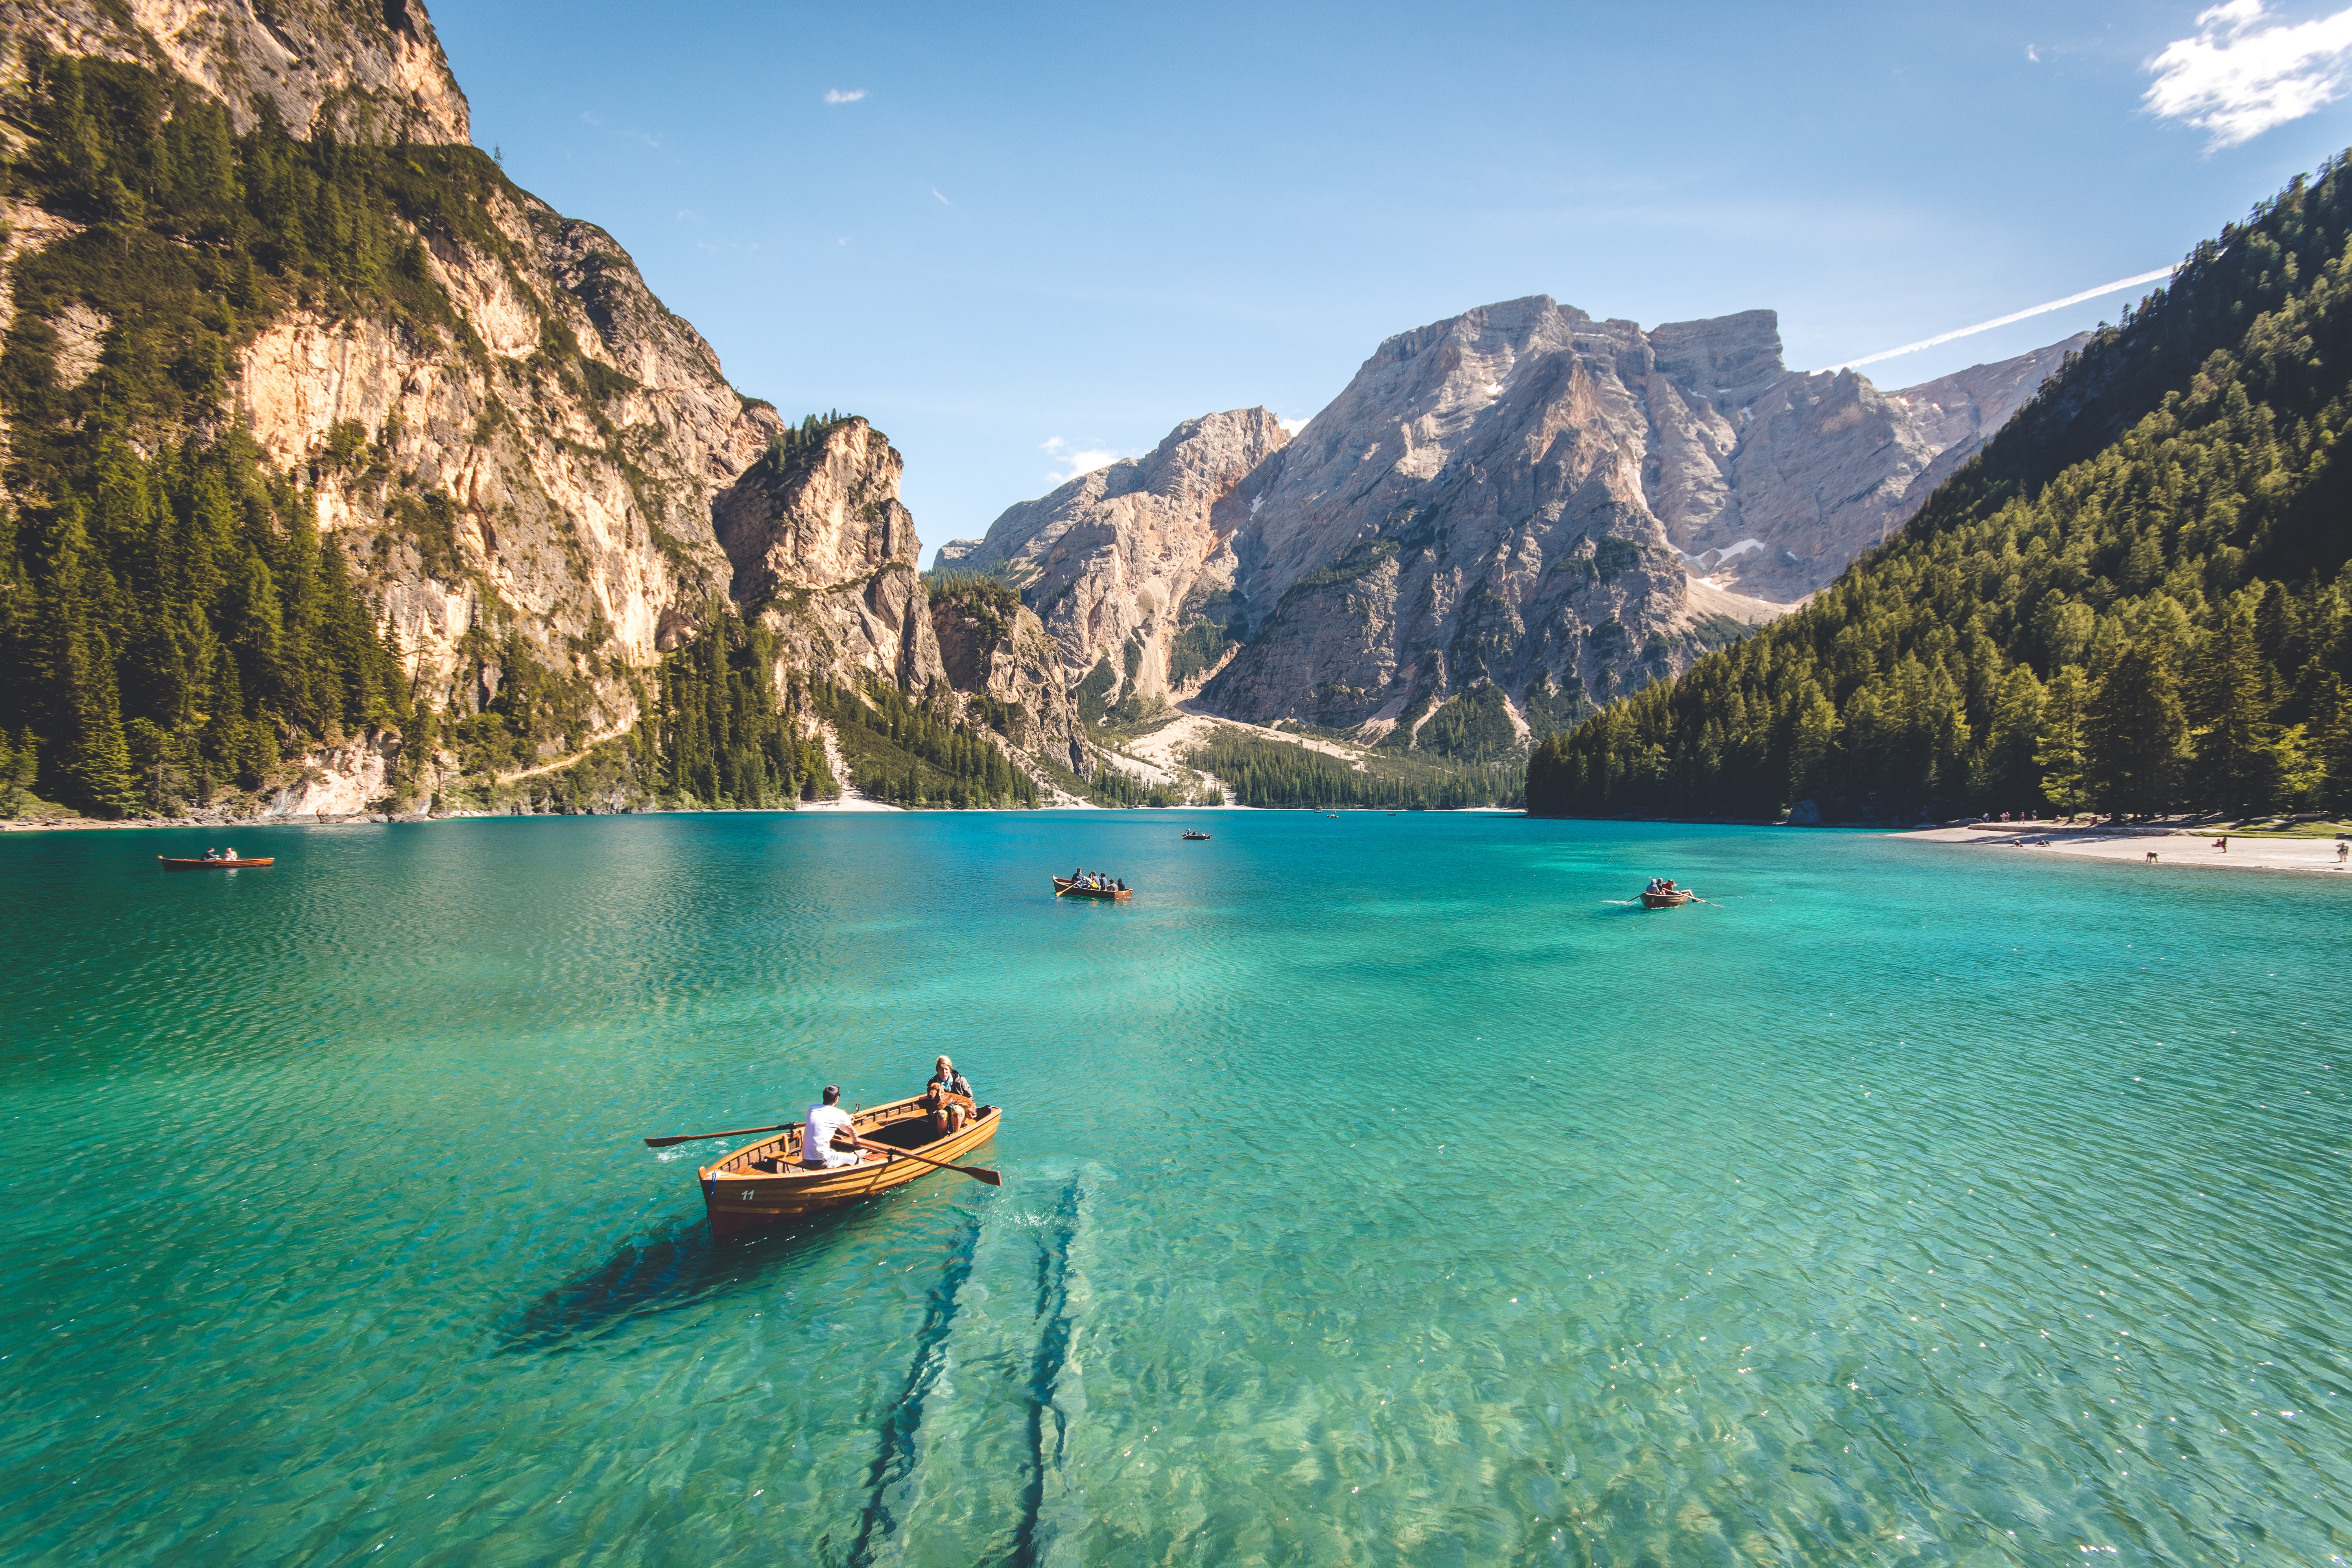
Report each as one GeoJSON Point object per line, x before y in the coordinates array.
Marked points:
{"type": "Point", "coordinates": [2014, 316]}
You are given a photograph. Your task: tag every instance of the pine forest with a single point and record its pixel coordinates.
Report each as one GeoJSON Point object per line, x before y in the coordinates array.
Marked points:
{"type": "Point", "coordinates": [2134, 601]}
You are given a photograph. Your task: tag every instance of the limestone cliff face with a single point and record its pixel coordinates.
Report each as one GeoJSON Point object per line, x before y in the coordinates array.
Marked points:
{"type": "Point", "coordinates": [823, 550]}
{"type": "Point", "coordinates": [1569, 508]}
{"type": "Point", "coordinates": [1000, 651]}
{"type": "Point", "coordinates": [370, 69]}
{"type": "Point", "coordinates": [1769, 481]}
{"type": "Point", "coordinates": [1470, 508]}
{"type": "Point", "coordinates": [567, 495]}
{"type": "Point", "coordinates": [1122, 561]}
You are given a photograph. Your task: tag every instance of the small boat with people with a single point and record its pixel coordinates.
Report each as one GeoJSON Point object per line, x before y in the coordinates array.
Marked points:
{"type": "Point", "coordinates": [1084, 884]}
{"type": "Point", "coordinates": [862, 1152]}
{"type": "Point", "coordinates": [214, 860]}
{"type": "Point", "coordinates": [1190, 834]}
{"type": "Point", "coordinates": [1662, 894]}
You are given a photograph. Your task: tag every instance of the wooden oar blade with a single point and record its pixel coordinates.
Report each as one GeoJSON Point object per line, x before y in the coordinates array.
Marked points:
{"type": "Point", "coordinates": [977, 1174]}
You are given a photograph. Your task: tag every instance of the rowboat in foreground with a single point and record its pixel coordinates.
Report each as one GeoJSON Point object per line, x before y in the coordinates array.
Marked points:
{"type": "Point", "coordinates": [1072, 887]}
{"type": "Point", "coordinates": [764, 1183]}
{"type": "Point", "coordinates": [1667, 899]}
{"type": "Point", "coordinates": [200, 864]}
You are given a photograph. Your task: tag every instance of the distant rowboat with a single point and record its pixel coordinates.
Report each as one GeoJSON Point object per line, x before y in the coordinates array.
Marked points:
{"type": "Point", "coordinates": [1190, 834]}
{"type": "Point", "coordinates": [1667, 899]}
{"type": "Point", "coordinates": [764, 1183]}
{"type": "Point", "coordinates": [1070, 886]}
{"type": "Point", "coordinates": [201, 864]}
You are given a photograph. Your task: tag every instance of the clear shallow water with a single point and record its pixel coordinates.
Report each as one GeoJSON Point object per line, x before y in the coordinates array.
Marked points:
{"type": "Point", "coordinates": [1376, 1191]}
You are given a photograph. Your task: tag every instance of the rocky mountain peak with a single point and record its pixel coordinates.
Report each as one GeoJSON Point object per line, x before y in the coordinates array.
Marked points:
{"type": "Point", "coordinates": [1119, 561]}
{"type": "Point", "coordinates": [1726, 360]}
{"type": "Point", "coordinates": [372, 69]}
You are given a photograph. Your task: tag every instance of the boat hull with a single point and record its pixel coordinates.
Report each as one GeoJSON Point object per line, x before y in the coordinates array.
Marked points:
{"type": "Point", "coordinates": [1667, 901]}
{"type": "Point", "coordinates": [740, 1200]}
{"type": "Point", "coordinates": [169, 864]}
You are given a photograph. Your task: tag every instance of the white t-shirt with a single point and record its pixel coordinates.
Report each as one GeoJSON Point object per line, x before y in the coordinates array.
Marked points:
{"type": "Point", "coordinates": [817, 1135]}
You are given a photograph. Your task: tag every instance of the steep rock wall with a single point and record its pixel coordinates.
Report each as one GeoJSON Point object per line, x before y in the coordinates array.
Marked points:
{"type": "Point", "coordinates": [1470, 507]}
{"type": "Point", "coordinates": [821, 548]}
{"type": "Point", "coordinates": [1132, 555]}
{"type": "Point", "coordinates": [366, 68]}
{"type": "Point", "coordinates": [556, 475]}
{"type": "Point", "coordinates": [1001, 652]}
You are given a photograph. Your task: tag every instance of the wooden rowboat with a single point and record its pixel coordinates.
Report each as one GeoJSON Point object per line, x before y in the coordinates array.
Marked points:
{"type": "Point", "coordinates": [764, 1183]}
{"type": "Point", "coordinates": [1073, 887]}
{"type": "Point", "coordinates": [1190, 834]}
{"type": "Point", "coordinates": [169, 864]}
{"type": "Point", "coordinates": [1668, 900]}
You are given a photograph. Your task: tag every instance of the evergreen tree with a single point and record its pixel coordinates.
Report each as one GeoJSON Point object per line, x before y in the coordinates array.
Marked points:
{"type": "Point", "coordinates": [2238, 764]}
{"type": "Point", "coordinates": [2135, 733]}
{"type": "Point", "coordinates": [2332, 744]}
{"type": "Point", "coordinates": [2060, 744]}
{"type": "Point", "coordinates": [20, 767]}
{"type": "Point", "coordinates": [2009, 768]}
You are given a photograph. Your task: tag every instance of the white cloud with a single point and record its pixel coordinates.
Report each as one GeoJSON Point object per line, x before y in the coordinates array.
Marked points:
{"type": "Point", "coordinates": [1075, 461]}
{"type": "Point", "coordinates": [620, 130]}
{"type": "Point", "coordinates": [1292, 427]}
{"type": "Point", "coordinates": [2034, 54]}
{"type": "Point", "coordinates": [2238, 78]}
{"type": "Point", "coordinates": [943, 201]}
{"type": "Point", "coordinates": [837, 95]}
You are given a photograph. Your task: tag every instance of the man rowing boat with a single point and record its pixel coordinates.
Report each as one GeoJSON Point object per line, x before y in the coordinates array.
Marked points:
{"type": "Point", "coordinates": [821, 1132]}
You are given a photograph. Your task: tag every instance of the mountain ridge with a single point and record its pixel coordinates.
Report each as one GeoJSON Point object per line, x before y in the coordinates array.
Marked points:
{"type": "Point", "coordinates": [1411, 540]}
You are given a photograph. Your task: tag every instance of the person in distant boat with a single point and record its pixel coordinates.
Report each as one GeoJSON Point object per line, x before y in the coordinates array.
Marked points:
{"type": "Point", "coordinates": [212, 855]}
{"type": "Point", "coordinates": [228, 854]}
{"type": "Point", "coordinates": [824, 1124]}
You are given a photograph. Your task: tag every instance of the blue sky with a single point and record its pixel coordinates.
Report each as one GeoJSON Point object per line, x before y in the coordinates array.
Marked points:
{"type": "Point", "coordinates": [1020, 240]}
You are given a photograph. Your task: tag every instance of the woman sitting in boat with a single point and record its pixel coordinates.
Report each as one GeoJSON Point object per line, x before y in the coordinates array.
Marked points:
{"type": "Point", "coordinates": [938, 1098]}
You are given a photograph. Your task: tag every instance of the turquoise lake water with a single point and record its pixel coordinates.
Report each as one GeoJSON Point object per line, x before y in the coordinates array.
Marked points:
{"type": "Point", "coordinates": [1377, 1190]}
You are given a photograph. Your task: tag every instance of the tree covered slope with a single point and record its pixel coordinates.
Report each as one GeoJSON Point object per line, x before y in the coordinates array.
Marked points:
{"type": "Point", "coordinates": [2135, 599]}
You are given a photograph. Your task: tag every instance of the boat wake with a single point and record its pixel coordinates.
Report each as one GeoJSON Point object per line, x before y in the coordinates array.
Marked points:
{"type": "Point", "coordinates": [995, 1392]}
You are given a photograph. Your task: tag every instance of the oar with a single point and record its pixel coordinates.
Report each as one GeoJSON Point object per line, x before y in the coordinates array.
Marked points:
{"type": "Point", "coordinates": [698, 1137]}
{"type": "Point", "coordinates": [974, 1172]}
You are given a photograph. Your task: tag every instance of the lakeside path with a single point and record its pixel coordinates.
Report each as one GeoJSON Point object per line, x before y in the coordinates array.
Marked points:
{"type": "Point", "coordinates": [2173, 848]}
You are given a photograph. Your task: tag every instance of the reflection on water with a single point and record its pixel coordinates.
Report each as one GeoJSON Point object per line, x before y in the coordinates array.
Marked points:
{"type": "Point", "coordinates": [1377, 1189]}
